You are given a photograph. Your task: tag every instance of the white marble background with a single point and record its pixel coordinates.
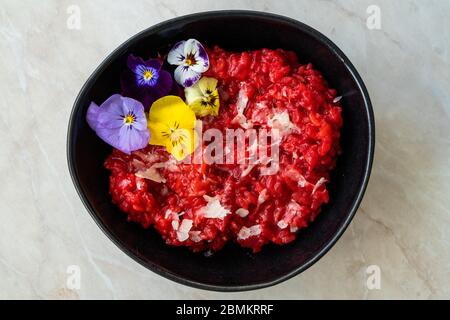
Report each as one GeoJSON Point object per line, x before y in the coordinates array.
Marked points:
{"type": "Point", "coordinates": [403, 223]}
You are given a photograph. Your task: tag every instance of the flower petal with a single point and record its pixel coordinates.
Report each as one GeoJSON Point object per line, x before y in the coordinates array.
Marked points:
{"type": "Point", "coordinates": [137, 109]}
{"type": "Point", "coordinates": [108, 123]}
{"type": "Point", "coordinates": [141, 73]}
{"type": "Point", "coordinates": [184, 147]}
{"type": "Point", "coordinates": [116, 108]}
{"type": "Point", "coordinates": [158, 133]}
{"type": "Point", "coordinates": [216, 103]}
{"type": "Point", "coordinates": [134, 62]}
{"type": "Point", "coordinates": [111, 113]}
{"type": "Point", "coordinates": [199, 108]}
{"type": "Point", "coordinates": [207, 85]}
{"type": "Point", "coordinates": [176, 56]}
{"type": "Point", "coordinates": [92, 115]}
{"type": "Point", "coordinates": [202, 108]}
{"type": "Point", "coordinates": [165, 83]}
{"type": "Point", "coordinates": [131, 139]}
{"type": "Point", "coordinates": [148, 97]}
{"type": "Point", "coordinates": [185, 76]}
{"type": "Point", "coordinates": [193, 93]}
{"type": "Point", "coordinates": [173, 112]}
{"type": "Point", "coordinates": [125, 139]}
{"type": "Point", "coordinates": [136, 86]}
{"type": "Point", "coordinates": [195, 48]}
{"type": "Point", "coordinates": [171, 123]}
{"type": "Point", "coordinates": [176, 90]}
{"type": "Point", "coordinates": [203, 97]}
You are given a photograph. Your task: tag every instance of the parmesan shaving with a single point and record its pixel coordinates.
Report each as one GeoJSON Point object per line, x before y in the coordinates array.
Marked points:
{"type": "Point", "coordinates": [337, 99]}
{"type": "Point", "coordinates": [246, 233]}
{"type": "Point", "coordinates": [137, 164]}
{"type": "Point", "coordinates": [292, 209]}
{"type": "Point", "coordinates": [183, 230]}
{"type": "Point", "coordinates": [168, 213]}
{"type": "Point", "coordinates": [195, 236]}
{"type": "Point", "coordinates": [242, 121]}
{"type": "Point", "coordinates": [282, 224]}
{"type": "Point", "coordinates": [247, 170]}
{"type": "Point", "coordinates": [171, 165]}
{"type": "Point", "coordinates": [241, 212]}
{"type": "Point", "coordinates": [302, 182]}
{"type": "Point", "coordinates": [282, 122]}
{"type": "Point", "coordinates": [262, 196]}
{"type": "Point", "coordinates": [318, 184]}
{"type": "Point", "coordinates": [261, 105]}
{"type": "Point", "coordinates": [151, 174]}
{"type": "Point", "coordinates": [241, 102]}
{"type": "Point", "coordinates": [148, 157]}
{"type": "Point", "coordinates": [214, 209]}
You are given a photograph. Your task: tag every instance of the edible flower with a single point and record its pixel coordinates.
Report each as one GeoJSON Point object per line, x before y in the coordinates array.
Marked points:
{"type": "Point", "coordinates": [120, 122]}
{"type": "Point", "coordinates": [203, 97]}
{"type": "Point", "coordinates": [171, 123]}
{"type": "Point", "coordinates": [192, 60]}
{"type": "Point", "coordinates": [145, 81]}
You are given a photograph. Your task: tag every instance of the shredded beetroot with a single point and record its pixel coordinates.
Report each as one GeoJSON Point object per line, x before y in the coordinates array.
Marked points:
{"type": "Point", "coordinates": [204, 206]}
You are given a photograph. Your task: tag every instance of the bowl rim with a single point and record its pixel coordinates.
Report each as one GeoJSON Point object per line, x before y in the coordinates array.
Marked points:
{"type": "Point", "coordinates": [213, 14]}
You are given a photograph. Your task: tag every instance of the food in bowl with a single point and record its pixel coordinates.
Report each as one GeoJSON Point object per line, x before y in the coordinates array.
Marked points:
{"type": "Point", "coordinates": [232, 192]}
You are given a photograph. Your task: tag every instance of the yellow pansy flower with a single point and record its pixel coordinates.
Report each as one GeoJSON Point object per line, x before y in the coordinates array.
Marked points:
{"type": "Point", "coordinates": [171, 123]}
{"type": "Point", "coordinates": [203, 97]}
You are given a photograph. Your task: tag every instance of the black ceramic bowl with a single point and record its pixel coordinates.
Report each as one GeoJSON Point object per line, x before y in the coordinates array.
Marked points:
{"type": "Point", "coordinates": [233, 268]}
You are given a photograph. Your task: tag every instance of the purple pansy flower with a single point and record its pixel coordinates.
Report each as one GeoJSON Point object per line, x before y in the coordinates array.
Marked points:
{"type": "Point", "coordinates": [145, 80]}
{"type": "Point", "coordinates": [120, 122]}
{"type": "Point", "coordinates": [192, 60]}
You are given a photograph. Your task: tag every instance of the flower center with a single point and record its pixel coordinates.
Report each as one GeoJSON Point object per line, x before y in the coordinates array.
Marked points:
{"type": "Point", "coordinates": [129, 119]}
{"type": "Point", "coordinates": [190, 60]}
{"type": "Point", "coordinates": [209, 100]}
{"type": "Point", "coordinates": [148, 75]}
{"type": "Point", "coordinates": [177, 136]}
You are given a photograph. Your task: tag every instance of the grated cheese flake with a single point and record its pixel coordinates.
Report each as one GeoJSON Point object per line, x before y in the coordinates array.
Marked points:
{"type": "Point", "coordinates": [183, 230]}
{"type": "Point", "coordinates": [246, 233]}
{"type": "Point", "coordinates": [282, 224]}
{"type": "Point", "coordinates": [281, 121]}
{"type": "Point", "coordinates": [152, 173]}
{"type": "Point", "coordinates": [195, 236]}
{"type": "Point", "coordinates": [262, 196]}
{"type": "Point", "coordinates": [214, 209]}
{"type": "Point", "coordinates": [318, 184]}
{"type": "Point", "coordinates": [241, 102]}
{"type": "Point", "coordinates": [241, 212]}
{"type": "Point", "coordinates": [241, 105]}
{"type": "Point", "coordinates": [247, 170]}
{"type": "Point", "coordinates": [337, 99]}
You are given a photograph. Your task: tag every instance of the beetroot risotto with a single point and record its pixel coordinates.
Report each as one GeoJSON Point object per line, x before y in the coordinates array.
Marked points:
{"type": "Point", "coordinates": [204, 205]}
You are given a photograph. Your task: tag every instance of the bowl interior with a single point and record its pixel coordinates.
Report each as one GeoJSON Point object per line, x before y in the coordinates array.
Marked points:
{"type": "Point", "coordinates": [233, 268]}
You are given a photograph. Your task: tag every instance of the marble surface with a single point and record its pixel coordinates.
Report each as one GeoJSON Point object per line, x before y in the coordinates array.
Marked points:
{"type": "Point", "coordinates": [404, 220]}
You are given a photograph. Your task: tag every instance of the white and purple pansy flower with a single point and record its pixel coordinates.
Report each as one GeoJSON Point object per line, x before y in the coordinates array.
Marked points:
{"type": "Point", "coordinates": [146, 81]}
{"type": "Point", "coordinates": [120, 122]}
{"type": "Point", "coordinates": [192, 60]}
